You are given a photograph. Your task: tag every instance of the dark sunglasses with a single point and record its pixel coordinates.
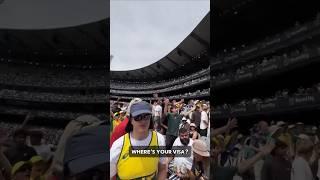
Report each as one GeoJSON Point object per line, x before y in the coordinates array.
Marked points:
{"type": "Point", "coordinates": [142, 117]}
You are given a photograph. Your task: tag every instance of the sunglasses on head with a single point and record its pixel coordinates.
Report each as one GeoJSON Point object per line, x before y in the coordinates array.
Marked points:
{"type": "Point", "coordinates": [142, 117]}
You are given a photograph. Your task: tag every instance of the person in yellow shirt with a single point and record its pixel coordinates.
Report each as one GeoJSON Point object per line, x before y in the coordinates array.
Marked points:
{"type": "Point", "coordinates": [116, 120]}
{"type": "Point", "coordinates": [38, 168]}
{"type": "Point", "coordinates": [21, 171]}
{"type": "Point", "coordinates": [139, 134]}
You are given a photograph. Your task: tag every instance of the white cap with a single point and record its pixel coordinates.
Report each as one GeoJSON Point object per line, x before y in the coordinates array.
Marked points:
{"type": "Point", "coordinates": [291, 126]}
{"type": "Point", "coordinates": [280, 123]}
{"type": "Point", "coordinates": [273, 129]}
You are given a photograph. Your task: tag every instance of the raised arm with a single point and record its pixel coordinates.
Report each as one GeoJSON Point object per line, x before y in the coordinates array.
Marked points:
{"type": "Point", "coordinates": [232, 123]}
{"type": "Point", "coordinates": [247, 164]}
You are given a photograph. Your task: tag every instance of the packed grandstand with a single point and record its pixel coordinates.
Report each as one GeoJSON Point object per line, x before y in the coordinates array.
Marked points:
{"type": "Point", "coordinates": [265, 80]}
{"type": "Point", "coordinates": [52, 84]}
{"type": "Point", "coordinates": [174, 95]}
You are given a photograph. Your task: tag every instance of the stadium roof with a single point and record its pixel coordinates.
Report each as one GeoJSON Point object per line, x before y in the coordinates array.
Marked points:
{"type": "Point", "coordinates": [239, 22]}
{"type": "Point", "coordinates": [184, 58]}
{"type": "Point", "coordinates": [84, 44]}
{"type": "Point", "coordinates": [48, 14]}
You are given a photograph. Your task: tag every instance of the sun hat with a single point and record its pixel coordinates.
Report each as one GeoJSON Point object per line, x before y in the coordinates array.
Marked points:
{"type": "Point", "coordinates": [200, 148]}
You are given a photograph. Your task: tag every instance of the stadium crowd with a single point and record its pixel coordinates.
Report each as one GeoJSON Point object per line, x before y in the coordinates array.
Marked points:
{"type": "Point", "coordinates": [174, 124]}
{"type": "Point", "coordinates": [298, 30]}
{"type": "Point", "coordinates": [30, 152]}
{"type": "Point", "coordinates": [266, 151]}
{"type": "Point", "coordinates": [301, 91]}
{"type": "Point", "coordinates": [51, 97]}
{"type": "Point", "coordinates": [160, 84]}
{"type": "Point", "coordinates": [50, 77]}
{"type": "Point", "coordinates": [175, 87]}
{"type": "Point", "coordinates": [267, 63]}
{"type": "Point", "coordinates": [198, 93]}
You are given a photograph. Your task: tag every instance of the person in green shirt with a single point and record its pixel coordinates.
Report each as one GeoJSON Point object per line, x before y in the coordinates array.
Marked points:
{"type": "Point", "coordinates": [174, 119]}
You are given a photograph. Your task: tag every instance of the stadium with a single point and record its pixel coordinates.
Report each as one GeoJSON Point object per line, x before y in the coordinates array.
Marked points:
{"type": "Point", "coordinates": [182, 74]}
{"type": "Point", "coordinates": [53, 72]}
{"type": "Point", "coordinates": [265, 75]}
{"type": "Point", "coordinates": [54, 75]}
{"type": "Point", "coordinates": [175, 93]}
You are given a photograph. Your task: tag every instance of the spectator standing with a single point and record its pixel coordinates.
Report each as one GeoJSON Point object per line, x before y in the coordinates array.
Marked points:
{"type": "Point", "coordinates": [196, 117]}
{"type": "Point", "coordinates": [157, 116]}
{"type": "Point", "coordinates": [19, 150]}
{"type": "Point", "coordinates": [43, 150]}
{"type": "Point", "coordinates": [204, 124]}
{"type": "Point", "coordinates": [300, 167]}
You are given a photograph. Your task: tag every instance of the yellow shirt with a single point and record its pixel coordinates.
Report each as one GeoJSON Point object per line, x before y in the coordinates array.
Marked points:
{"type": "Point", "coordinates": [137, 167]}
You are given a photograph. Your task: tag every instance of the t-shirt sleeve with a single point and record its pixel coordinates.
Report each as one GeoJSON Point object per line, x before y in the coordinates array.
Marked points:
{"type": "Point", "coordinates": [118, 131]}
{"type": "Point", "coordinates": [162, 142]}
{"type": "Point", "coordinates": [176, 142]}
{"type": "Point", "coordinates": [204, 116]}
{"type": "Point", "coordinates": [298, 171]}
{"type": "Point", "coordinates": [114, 155]}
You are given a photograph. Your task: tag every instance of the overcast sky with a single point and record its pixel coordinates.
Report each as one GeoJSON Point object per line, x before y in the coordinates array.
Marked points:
{"type": "Point", "coordinates": [144, 31]}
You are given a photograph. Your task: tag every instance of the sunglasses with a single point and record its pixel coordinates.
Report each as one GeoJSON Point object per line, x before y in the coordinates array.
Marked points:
{"type": "Point", "coordinates": [142, 117]}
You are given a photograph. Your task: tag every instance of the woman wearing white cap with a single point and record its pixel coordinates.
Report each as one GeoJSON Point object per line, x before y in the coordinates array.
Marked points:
{"type": "Point", "coordinates": [193, 131]}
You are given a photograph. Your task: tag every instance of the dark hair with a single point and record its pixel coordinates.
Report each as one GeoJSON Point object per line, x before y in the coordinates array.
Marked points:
{"type": "Point", "coordinates": [129, 126]}
{"type": "Point", "coordinates": [183, 130]}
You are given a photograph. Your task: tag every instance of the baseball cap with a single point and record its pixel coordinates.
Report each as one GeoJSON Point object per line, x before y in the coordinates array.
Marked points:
{"type": "Point", "coordinates": [140, 108]}
{"type": "Point", "coordinates": [86, 149]}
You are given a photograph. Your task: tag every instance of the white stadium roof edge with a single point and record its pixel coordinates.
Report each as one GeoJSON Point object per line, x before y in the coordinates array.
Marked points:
{"type": "Point", "coordinates": [195, 43]}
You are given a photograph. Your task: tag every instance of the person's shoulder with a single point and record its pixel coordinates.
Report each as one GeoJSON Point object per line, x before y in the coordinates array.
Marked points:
{"type": "Point", "coordinates": [161, 138]}
{"type": "Point", "coordinates": [177, 142]}
{"type": "Point", "coordinates": [190, 142]}
{"type": "Point", "coordinates": [118, 143]}
{"type": "Point", "coordinates": [159, 135]}
{"type": "Point", "coordinates": [121, 127]}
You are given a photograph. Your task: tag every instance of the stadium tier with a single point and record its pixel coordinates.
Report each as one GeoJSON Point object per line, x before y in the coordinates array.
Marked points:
{"type": "Point", "coordinates": [182, 73]}
{"type": "Point", "coordinates": [55, 78]}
